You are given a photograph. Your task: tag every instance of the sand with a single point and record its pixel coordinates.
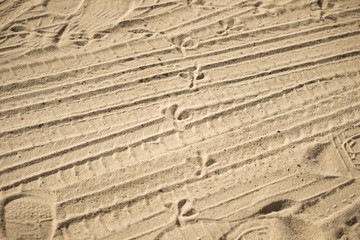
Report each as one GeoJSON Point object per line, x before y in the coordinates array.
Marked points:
{"type": "Point", "coordinates": [197, 119]}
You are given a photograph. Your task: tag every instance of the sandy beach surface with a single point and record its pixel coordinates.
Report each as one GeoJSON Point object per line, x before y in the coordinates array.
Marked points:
{"type": "Point", "coordinates": [179, 119]}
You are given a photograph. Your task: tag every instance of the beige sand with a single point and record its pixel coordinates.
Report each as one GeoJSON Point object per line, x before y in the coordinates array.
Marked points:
{"type": "Point", "coordinates": [197, 119]}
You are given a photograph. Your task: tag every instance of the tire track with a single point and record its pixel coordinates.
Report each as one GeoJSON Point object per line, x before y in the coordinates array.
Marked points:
{"type": "Point", "coordinates": [217, 154]}
{"type": "Point", "coordinates": [112, 135]}
{"type": "Point", "coordinates": [202, 55]}
{"type": "Point", "coordinates": [231, 91]}
{"type": "Point", "coordinates": [355, 118]}
{"type": "Point", "coordinates": [167, 133]}
{"type": "Point", "coordinates": [159, 121]}
{"type": "Point", "coordinates": [57, 76]}
{"type": "Point", "coordinates": [90, 214]}
{"type": "Point", "coordinates": [205, 67]}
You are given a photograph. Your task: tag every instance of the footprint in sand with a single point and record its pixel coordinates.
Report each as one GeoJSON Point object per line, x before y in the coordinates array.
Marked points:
{"type": "Point", "coordinates": [90, 19]}
{"type": "Point", "coordinates": [26, 216]}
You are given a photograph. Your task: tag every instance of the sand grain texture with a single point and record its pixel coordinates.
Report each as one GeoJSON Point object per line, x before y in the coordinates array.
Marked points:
{"type": "Point", "coordinates": [185, 119]}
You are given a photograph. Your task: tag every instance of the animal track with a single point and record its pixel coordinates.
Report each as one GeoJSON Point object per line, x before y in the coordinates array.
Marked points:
{"type": "Point", "coordinates": [185, 212]}
{"type": "Point", "coordinates": [209, 162]}
{"type": "Point", "coordinates": [204, 161]}
{"type": "Point", "coordinates": [183, 115]}
{"type": "Point", "coordinates": [169, 112]}
{"type": "Point", "coordinates": [189, 212]}
{"type": "Point", "coordinates": [200, 76]}
{"type": "Point", "coordinates": [173, 113]}
{"type": "Point", "coordinates": [226, 25]}
{"type": "Point", "coordinates": [184, 42]}
{"type": "Point", "coordinates": [193, 75]}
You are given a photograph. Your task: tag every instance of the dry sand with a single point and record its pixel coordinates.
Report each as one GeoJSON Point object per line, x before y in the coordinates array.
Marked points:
{"type": "Point", "coordinates": [197, 119]}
